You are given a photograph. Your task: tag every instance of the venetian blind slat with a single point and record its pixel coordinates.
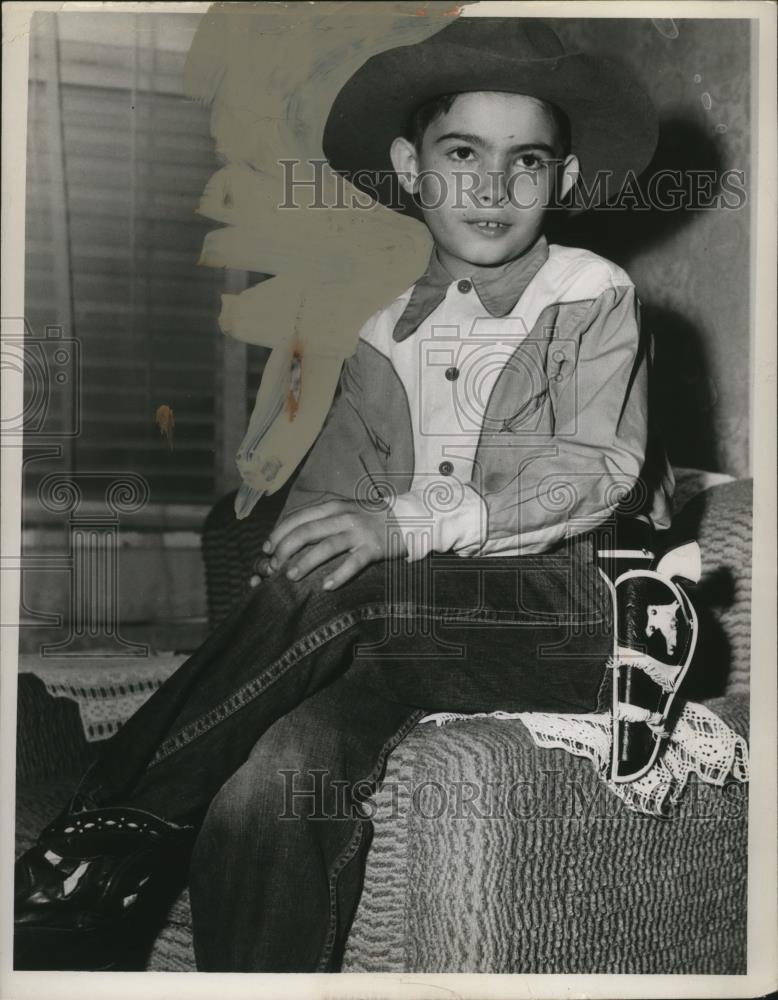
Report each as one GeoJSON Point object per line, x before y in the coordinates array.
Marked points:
{"type": "Point", "coordinates": [136, 157]}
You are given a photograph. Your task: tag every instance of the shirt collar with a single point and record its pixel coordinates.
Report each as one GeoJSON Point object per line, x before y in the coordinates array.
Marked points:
{"type": "Point", "coordinates": [498, 288]}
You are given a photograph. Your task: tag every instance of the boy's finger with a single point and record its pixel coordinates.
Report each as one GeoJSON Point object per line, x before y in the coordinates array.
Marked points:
{"type": "Point", "coordinates": [264, 568]}
{"type": "Point", "coordinates": [306, 534]}
{"type": "Point", "coordinates": [294, 521]}
{"type": "Point", "coordinates": [315, 555]}
{"type": "Point", "coordinates": [300, 517]}
{"type": "Point", "coordinates": [348, 569]}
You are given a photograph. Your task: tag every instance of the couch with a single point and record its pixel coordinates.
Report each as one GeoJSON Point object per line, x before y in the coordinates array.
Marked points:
{"type": "Point", "coordinates": [563, 880]}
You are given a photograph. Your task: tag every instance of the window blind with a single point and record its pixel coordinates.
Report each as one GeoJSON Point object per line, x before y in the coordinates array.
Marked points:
{"type": "Point", "coordinates": [117, 161]}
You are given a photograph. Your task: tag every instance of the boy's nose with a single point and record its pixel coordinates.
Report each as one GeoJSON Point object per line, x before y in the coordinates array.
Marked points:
{"type": "Point", "coordinates": [493, 188]}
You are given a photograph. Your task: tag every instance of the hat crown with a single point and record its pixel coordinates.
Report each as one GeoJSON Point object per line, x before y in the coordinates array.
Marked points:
{"type": "Point", "coordinates": [613, 124]}
{"type": "Point", "coordinates": [521, 38]}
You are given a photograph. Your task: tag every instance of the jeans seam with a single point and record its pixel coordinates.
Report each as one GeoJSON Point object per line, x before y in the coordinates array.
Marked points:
{"type": "Point", "coordinates": [308, 644]}
{"type": "Point", "coordinates": [352, 846]}
{"type": "Point", "coordinates": [482, 616]}
{"type": "Point", "coordinates": [253, 688]}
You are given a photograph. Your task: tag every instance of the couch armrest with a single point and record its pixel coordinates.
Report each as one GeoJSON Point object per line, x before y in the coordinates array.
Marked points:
{"type": "Point", "coordinates": [231, 548]}
{"type": "Point", "coordinates": [50, 741]}
{"type": "Point", "coordinates": [720, 520]}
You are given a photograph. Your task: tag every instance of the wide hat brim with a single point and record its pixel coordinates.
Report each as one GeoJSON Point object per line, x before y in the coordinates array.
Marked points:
{"type": "Point", "coordinates": [613, 123]}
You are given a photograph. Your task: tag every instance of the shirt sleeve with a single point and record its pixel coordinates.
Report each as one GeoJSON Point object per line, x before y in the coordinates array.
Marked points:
{"type": "Point", "coordinates": [590, 465]}
{"type": "Point", "coordinates": [344, 457]}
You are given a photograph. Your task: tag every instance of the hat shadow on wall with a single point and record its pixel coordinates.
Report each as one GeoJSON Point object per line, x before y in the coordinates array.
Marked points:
{"type": "Point", "coordinates": [684, 391]}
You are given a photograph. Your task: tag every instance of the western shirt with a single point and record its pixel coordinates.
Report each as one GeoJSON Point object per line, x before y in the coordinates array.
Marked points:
{"type": "Point", "coordinates": [497, 435]}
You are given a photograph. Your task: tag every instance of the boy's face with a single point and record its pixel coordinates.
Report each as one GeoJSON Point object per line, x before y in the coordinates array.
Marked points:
{"type": "Point", "coordinates": [485, 173]}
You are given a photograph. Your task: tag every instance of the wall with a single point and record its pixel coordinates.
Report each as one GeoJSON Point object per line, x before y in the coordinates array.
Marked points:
{"type": "Point", "coordinates": [691, 267]}
{"type": "Point", "coordinates": [159, 595]}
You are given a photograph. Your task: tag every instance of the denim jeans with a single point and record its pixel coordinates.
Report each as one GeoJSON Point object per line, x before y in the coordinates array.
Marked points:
{"type": "Point", "coordinates": [287, 712]}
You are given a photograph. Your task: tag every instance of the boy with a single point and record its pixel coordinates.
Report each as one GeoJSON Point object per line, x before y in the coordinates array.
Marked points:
{"type": "Point", "coordinates": [495, 411]}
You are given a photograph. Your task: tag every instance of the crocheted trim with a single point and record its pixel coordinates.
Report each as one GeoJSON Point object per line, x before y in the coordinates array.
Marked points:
{"type": "Point", "coordinates": [700, 743]}
{"type": "Point", "coordinates": [107, 691]}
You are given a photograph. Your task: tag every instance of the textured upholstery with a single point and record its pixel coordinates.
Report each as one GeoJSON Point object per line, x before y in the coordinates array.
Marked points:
{"type": "Point", "coordinates": [559, 878]}
{"type": "Point", "coordinates": [720, 519]}
{"type": "Point", "coordinates": [231, 548]}
{"type": "Point", "coordinates": [50, 742]}
{"type": "Point", "coordinates": [545, 871]}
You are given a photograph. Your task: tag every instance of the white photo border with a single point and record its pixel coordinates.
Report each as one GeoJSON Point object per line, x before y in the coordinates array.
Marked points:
{"type": "Point", "coordinates": [762, 976]}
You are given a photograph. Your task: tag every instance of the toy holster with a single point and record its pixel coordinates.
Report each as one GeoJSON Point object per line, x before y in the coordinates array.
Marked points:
{"type": "Point", "coordinates": [654, 637]}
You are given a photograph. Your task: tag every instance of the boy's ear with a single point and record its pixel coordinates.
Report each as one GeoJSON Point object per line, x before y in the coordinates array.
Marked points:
{"type": "Point", "coordinates": [567, 177]}
{"type": "Point", "coordinates": [405, 161]}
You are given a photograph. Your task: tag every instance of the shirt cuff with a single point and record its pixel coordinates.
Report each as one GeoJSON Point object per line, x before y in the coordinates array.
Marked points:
{"type": "Point", "coordinates": [426, 530]}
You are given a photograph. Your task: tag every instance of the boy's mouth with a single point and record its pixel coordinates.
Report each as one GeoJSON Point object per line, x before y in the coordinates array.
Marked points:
{"type": "Point", "coordinates": [490, 226]}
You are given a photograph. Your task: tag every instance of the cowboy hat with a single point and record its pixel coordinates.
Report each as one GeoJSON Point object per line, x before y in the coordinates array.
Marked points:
{"type": "Point", "coordinates": [613, 124]}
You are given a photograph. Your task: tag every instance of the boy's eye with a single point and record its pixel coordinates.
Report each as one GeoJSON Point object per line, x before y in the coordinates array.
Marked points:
{"type": "Point", "coordinates": [461, 153]}
{"type": "Point", "coordinates": [529, 161]}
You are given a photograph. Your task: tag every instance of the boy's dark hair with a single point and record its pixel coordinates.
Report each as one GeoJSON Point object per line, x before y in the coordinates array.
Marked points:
{"type": "Point", "coordinates": [425, 115]}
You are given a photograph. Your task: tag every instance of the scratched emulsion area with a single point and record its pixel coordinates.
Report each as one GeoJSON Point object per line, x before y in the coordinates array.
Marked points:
{"type": "Point", "coordinates": [164, 419]}
{"type": "Point", "coordinates": [269, 73]}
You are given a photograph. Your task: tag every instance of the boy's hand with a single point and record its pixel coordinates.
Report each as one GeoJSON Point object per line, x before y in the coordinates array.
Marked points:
{"type": "Point", "coordinates": [312, 536]}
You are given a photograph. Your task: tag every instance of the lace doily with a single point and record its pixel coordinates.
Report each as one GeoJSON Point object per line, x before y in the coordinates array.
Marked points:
{"type": "Point", "coordinates": [108, 690]}
{"type": "Point", "coordinates": [701, 743]}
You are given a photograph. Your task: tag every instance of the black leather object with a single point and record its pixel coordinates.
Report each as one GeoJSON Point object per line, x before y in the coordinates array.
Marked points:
{"type": "Point", "coordinates": [89, 895]}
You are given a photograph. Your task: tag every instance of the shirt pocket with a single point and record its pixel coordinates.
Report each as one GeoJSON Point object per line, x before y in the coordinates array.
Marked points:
{"type": "Point", "coordinates": [528, 418]}
{"type": "Point", "coordinates": [382, 447]}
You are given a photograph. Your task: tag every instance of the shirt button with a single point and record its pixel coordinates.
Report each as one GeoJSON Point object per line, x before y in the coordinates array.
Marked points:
{"type": "Point", "coordinates": [452, 374]}
{"type": "Point", "coordinates": [464, 286]}
{"type": "Point", "coordinates": [445, 468]}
